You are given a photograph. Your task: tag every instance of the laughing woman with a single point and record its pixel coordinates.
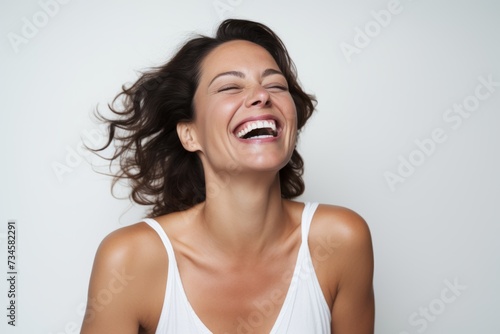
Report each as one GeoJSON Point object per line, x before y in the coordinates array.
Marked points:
{"type": "Point", "coordinates": [209, 141]}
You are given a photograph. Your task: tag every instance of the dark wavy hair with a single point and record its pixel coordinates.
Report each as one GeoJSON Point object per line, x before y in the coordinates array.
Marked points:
{"type": "Point", "coordinates": [150, 155]}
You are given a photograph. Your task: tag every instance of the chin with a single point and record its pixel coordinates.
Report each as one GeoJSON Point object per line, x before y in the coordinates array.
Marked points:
{"type": "Point", "coordinates": [266, 164]}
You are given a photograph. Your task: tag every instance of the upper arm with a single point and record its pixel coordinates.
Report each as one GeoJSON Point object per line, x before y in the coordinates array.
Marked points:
{"type": "Point", "coordinates": [353, 309]}
{"type": "Point", "coordinates": [112, 304]}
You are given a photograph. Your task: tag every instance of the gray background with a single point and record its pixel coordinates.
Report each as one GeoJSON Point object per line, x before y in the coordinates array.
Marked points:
{"type": "Point", "coordinates": [437, 228]}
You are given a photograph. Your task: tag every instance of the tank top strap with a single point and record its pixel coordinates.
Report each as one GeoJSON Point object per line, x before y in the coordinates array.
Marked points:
{"type": "Point", "coordinates": [307, 215]}
{"type": "Point", "coordinates": [177, 315]}
{"type": "Point", "coordinates": [164, 238]}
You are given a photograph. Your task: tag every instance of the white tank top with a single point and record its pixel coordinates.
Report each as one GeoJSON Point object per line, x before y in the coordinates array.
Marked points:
{"type": "Point", "coordinates": [304, 310]}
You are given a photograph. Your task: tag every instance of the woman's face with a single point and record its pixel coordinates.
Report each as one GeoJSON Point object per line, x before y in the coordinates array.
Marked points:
{"type": "Point", "coordinates": [245, 116]}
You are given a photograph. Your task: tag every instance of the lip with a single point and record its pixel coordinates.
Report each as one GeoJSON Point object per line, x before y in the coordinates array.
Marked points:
{"type": "Point", "coordinates": [279, 127]}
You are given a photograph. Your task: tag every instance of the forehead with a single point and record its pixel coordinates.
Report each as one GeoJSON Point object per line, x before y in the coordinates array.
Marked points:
{"type": "Point", "coordinates": [236, 54]}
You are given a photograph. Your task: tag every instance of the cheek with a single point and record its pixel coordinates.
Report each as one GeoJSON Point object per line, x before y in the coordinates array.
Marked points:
{"type": "Point", "coordinates": [213, 120]}
{"type": "Point", "coordinates": [220, 111]}
{"type": "Point", "coordinates": [291, 111]}
{"type": "Point", "coordinates": [291, 116]}
{"type": "Point", "coordinates": [226, 104]}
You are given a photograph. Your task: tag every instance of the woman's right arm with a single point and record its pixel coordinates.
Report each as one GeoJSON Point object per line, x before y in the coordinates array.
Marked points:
{"type": "Point", "coordinates": [116, 297]}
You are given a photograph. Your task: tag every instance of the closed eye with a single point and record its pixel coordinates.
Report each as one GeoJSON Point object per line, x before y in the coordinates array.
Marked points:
{"type": "Point", "coordinates": [227, 88]}
{"type": "Point", "coordinates": [278, 87]}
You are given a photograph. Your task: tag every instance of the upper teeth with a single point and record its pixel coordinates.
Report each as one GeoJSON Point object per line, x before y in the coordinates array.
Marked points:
{"type": "Point", "coordinates": [256, 125]}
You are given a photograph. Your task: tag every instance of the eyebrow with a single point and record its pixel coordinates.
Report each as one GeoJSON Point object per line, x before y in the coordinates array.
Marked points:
{"type": "Point", "coordinates": [267, 72]}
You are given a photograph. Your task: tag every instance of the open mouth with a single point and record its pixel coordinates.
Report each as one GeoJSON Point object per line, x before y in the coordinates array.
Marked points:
{"type": "Point", "coordinates": [257, 129]}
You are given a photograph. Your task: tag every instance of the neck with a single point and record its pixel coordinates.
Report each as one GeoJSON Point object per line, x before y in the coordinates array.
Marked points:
{"type": "Point", "coordinates": [244, 214]}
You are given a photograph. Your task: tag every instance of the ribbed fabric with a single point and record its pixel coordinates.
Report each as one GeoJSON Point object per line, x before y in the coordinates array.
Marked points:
{"type": "Point", "coordinates": [304, 310]}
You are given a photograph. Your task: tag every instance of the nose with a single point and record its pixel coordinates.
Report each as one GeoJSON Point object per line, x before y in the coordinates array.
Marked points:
{"type": "Point", "coordinates": [258, 97]}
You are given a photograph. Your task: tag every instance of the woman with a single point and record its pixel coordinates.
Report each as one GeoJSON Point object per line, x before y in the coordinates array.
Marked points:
{"type": "Point", "coordinates": [209, 141]}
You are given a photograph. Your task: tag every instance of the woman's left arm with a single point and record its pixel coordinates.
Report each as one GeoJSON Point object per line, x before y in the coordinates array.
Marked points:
{"type": "Point", "coordinates": [353, 310]}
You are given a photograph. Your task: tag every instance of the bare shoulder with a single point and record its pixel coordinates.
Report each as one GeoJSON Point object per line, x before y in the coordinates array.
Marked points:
{"type": "Point", "coordinates": [126, 261]}
{"type": "Point", "coordinates": [341, 250]}
{"type": "Point", "coordinates": [340, 245]}
{"type": "Point", "coordinates": [136, 251]}
{"type": "Point", "coordinates": [341, 225]}
{"type": "Point", "coordinates": [130, 246]}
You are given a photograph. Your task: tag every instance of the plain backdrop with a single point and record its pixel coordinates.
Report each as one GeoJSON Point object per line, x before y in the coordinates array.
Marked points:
{"type": "Point", "coordinates": [406, 133]}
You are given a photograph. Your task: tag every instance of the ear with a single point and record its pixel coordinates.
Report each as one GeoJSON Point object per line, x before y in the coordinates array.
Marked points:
{"type": "Point", "coordinates": [187, 136]}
